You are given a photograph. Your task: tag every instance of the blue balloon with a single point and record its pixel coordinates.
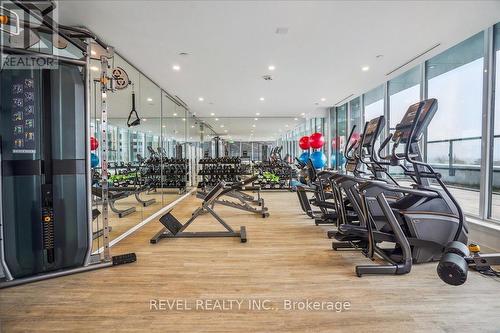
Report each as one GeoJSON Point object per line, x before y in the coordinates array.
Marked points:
{"type": "Point", "coordinates": [94, 160]}
{"type": "Point", "coordinates": [318, 159]}
{"type": "Point", "coordinates": [304, 157]}
{"type": "Point", "coordinates": [341, 161]}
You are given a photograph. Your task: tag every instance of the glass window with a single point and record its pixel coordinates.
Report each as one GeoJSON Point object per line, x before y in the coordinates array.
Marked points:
{"type": "Point", "coordinates": [455, 78]}
{"type": "Point", "coordinates": [404, 91]}
{"type": "Point", "coordinates": [495, 200]}
{"type": "Point", "coordinates": [374, 103]}
{"type": "Point", "coordinates": [355, 115]}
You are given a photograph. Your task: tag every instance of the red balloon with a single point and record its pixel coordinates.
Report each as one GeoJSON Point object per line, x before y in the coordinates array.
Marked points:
{"type": "Point", "coordinates": [316, 140]}
{"type": "Point", "coordinates": [355, 137]}
{"type": "Point", "coordinates": [94, 144]}
{"type": "Point", "coordinates": [304, 143]}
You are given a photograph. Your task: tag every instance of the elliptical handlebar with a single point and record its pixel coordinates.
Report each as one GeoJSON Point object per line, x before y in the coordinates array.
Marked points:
{"type": "Point", "coordinates": [382, 147]}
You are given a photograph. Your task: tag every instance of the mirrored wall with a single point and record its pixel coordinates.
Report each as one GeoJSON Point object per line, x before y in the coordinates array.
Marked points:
{"type": "Point", "coordinates": [148, 155]}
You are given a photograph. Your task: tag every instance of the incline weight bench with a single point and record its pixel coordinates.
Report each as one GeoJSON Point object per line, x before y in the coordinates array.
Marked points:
{"type": "Point", "coordinates": [174, 229]}
{"type": "Point", "coordinates": [234, 191]}
{"type": "Point", "coordinates": [113, 197]}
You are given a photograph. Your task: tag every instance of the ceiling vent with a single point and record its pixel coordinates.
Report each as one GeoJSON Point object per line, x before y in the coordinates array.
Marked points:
{"type": "Point", "coordinates": [281, 30]}
{"type": "Point", "coordinates": [267, 77]}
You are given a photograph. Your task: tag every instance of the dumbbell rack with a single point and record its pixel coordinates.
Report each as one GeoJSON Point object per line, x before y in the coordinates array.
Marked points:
{"type": "Point", "coordinates": [214, 170]}
{"type": "Point", "coordinates": [168, 174]}
{"type": "Point", "coordinates": [284, 171]}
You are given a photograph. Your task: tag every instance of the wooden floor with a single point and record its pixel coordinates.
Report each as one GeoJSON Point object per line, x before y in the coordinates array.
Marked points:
{"type": "Point", "coordinates": [286, 258]}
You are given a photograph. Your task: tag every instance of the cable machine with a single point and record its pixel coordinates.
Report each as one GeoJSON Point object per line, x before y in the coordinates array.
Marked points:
{"type": "Point", "coordinates": [46, 221]}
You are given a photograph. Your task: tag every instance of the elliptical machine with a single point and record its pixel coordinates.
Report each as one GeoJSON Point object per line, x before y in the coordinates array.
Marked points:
{"type": "Point", "coordinates": [425, 218]}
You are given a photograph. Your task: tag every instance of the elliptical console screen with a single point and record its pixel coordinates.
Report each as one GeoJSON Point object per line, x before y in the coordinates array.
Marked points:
{"type": "Point", "coordinates": [372, 131]}
{"type": "Point", "coordinates": [427, 110]}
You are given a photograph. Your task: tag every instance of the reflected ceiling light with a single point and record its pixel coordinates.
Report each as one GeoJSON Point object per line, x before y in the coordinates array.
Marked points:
{"type": "Point", "coordinates": [271, 67]}
{"type": "Point", "coordinates": [365, 68]}
{"type": "Point", "coordinates": [257, 114]}
{"type": "Point", "coordinates": [201, 99]}
{"type": "Point", "coordinates": [261, 99]}
{"type": "Point", "coordinates": [323, 99]}
{"type": "Point", "coordinates": [303, 114]}
{"type": "Point", "coordinates": [253, 125]}
{"type": "Point", "coordinates": [175, 114]}
{"type": "Point", "coordinates": [183, 119]}
{"type": "Point", "coordinates": [94, 68]}
{"type": "Point", "coordinates": [225, 131]}
{"type": "Point", "coordinates": [164, 126]}
{"type": "Point", "coordinates": [295, 119]}
{"type": "Point", "coordinates": [286, 125]}
{"type": "Point", "coordinates": [176, 68]}
{"type": "Point", "coordinates": [216, 119]}
{"type": "Point", "coordinates": [92, 52]}
{"type": "Point", "coordinates": [192, 126]}
{"type": "Point", "coordinates": [144, 119]}
{"type": "Point", "coordinates": [221, 126]}
{"type": "Point", "coordinates": [212, 114]}
{"type": "Point", "coordinates": [149, 99]}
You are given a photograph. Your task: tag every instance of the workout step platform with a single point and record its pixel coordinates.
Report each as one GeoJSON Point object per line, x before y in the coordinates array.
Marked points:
{"type": "Point", "coordinates": [124, 259]}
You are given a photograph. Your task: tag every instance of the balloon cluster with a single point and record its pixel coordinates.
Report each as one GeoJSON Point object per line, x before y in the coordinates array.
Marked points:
{"type": "Point", "coordinates": [94, 159]}
{"type": "Point", "coordinates": [315, 141]}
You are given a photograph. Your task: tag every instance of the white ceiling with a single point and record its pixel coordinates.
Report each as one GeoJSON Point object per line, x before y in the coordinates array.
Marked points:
{"type": "Point", "coordinates": [231, 44]}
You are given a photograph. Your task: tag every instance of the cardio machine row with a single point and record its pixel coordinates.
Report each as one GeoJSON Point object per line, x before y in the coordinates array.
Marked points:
{"type": "Point", "coordinates": [402, 224]}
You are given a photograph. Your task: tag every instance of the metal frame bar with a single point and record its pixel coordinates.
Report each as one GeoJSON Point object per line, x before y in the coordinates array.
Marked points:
{"type": "Point", "coordinates": [104, 156]}
{"type": "Point", "coordinates": [88, 93]}
{"type": "Point", "coordinates": [487, 131]}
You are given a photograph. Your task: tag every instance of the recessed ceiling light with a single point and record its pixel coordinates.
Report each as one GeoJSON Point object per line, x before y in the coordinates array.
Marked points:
{"type": "Point", "coordinates": [303, 114]}
{"type": "Point", "coordinates": [175, 114]}
{"type": "Point", "coordinates": [192, 126]}
{"type": "Point", "coordinates": [253, 125]}
{"type": "Point", "coordinates": [216, 119]}
{"type": "Point", "coordinates": [164, 126]}
{"type": "Point", "coordinates": [183, 119]}
{"type": "Point", "coordinates": [201, 99]}
{"type": "Point", "coordinates": [176, 68]}
{"type": "Point", "coordinates": [271, 67]}
{"type": "Point", "coordinates": [225, 131]}
{"type": "Point", "coordinates": [295, 119]}
{"type": "Point", "coordinates": [144, 119]}
{"type": "Point", "coordinates": [221, 126]}
{"type": "Point", "coordinates": [323, 99]}
{"type": "Point", "coordinates": [257, 114]}
{"type": "Point", "coordinates": [212, 114]}
{"type": "Point", "coordinates": [365, 68]}
{"type": "Point", "coordinates": [94, 68]}
{"type": "Point", "coordinates": [149, 99]}
{"type": "Point", "coordinates": [255, 118]}
{"type": "Point", "coordinates": [261, 99]}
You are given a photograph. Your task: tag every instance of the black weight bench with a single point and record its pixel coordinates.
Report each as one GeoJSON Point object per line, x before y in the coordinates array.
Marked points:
{"type": "Point", "coordinates": [113, 197]}
{"type": "Point", "coordinates": [175, 229]}
{"type": "Point", "coordinates": [234, 191]}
